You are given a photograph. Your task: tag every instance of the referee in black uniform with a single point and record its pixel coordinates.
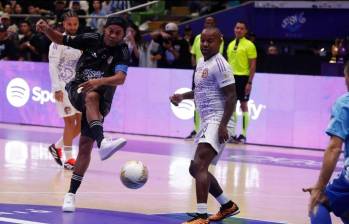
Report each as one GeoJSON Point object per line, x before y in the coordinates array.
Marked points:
{"type": "Point", "coordinates": [102, 66]}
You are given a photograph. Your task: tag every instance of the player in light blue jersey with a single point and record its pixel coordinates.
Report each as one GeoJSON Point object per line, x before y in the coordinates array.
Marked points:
{"type": "Point", "coordinates": [334, 197]}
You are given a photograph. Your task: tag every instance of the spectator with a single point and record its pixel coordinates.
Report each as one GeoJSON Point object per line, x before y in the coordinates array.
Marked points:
{"type": "Point", "coordinates": [154, 50]}
{"type": "Point", "coordinates": [60, 8]}
{"type": "Point", "coordinates": [6, 21]}
{"type": "Point", "coordinates": [84, 5]}
{"type": "Point", "coordinates": [154, 54]}
{"type": "Point", "coordinates": [17, 10]}
{"type": "Point", "coordinates": [118, 5]}
{"type": "Point", "coordinates": [97, 23]}
{"type": "Point", "coordinates": [8, 9]}
{"type": "Point", "coordinates": [135, 45]}
{"type": "Point", "coordinates": [335, 50]}
{"type": "Point", "coordinates": [13, 4]}
{"type": "Point", "coordinates": [188, 35]}
{"type": "Point", "coordinates": [342, 51]}
{"type": "Point", "coordinates": [272, 49]}
{"type": "Point", "coordinates": [32, 10]}
{"type": "Point", "coordinates": [175, 50]}
{"type": "Point", "coordinates": [76, 7]}
{"type": "Point", "coordinates": [107, 6]}
{"type": "Point", "coordinates": [8, 50]}
{"type": "Point", "coordinates": [29, 44]}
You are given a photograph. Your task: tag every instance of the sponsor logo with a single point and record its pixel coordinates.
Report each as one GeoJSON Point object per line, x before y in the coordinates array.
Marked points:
{"type": "Point", "coordinates": [92, 74]}
{"type": "Point", "coordinates": [205, 73]}
{"type": "Point", "coordinates": [110, 59]}
{"type": "Point", "coordinates": [254, 109]}
{"type": "Point", "coordinates": [42, 96]}
{"type": "Point", "coordinates": [294, 22]}
{"type": "Point", "coordinates": [17, 92]}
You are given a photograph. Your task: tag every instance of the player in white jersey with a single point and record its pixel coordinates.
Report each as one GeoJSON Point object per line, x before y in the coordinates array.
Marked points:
{"type": "Point", "coordinates": [215, 98]}
{"type": "Point", "coordinates": [62, 62]}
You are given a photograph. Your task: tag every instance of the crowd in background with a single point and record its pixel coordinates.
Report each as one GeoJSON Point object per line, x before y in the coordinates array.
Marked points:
{"type": "Point", "coordinates": [165, 48]}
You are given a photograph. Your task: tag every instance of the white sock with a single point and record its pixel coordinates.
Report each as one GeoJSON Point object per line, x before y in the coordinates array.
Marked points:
{"type": "Point", "coordinates": [222, 199]}
{"type": "Point", "coordinates": [59, 143]}
{"type": "Point", "coordinates": [202, 208]}
{"type": "Point", "coordinates": [68, 152]}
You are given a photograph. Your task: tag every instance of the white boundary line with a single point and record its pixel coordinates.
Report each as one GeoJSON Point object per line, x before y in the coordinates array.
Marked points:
{"type": "Point", "coordinates": [20, 221]}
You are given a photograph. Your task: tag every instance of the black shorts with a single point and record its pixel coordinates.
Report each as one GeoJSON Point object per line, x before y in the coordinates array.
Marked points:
{"type": "Point", "coordinates": [78, 101]}
{"type": "Point", "coordinates": [240, 83]}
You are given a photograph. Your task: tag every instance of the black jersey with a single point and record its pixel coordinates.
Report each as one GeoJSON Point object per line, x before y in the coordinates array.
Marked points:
{"type": "Point", "coordinates": [97, 59]}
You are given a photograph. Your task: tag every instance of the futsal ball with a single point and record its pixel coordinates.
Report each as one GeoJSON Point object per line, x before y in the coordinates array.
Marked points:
{"type": "Point", "coordinates": [134, 174]}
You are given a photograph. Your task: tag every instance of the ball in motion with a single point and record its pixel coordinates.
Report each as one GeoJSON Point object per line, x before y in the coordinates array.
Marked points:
{"type": "Point", "coordinates": [134, 174]}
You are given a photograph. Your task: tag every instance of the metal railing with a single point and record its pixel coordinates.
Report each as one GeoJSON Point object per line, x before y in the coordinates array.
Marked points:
{"type": "Point", "coordinates": [51, 15]}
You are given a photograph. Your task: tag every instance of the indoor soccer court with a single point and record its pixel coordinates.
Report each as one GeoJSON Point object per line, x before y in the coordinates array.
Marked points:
{"type": "Point", "coordinates": [265, 182]}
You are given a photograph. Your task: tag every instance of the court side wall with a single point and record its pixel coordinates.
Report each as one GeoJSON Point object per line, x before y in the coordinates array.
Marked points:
{"type": "Point", "coordinates": [285, 110]}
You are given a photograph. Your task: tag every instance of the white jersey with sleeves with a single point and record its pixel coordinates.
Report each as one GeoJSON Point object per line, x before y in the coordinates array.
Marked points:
{"type": "Point", "coordinates": [62, 63]}
{"type": "Point", "coordinates": [210, 77]}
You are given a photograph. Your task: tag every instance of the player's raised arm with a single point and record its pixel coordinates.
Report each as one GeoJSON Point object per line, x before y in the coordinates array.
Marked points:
{"type": "Point", "coordinates": [43, 27]}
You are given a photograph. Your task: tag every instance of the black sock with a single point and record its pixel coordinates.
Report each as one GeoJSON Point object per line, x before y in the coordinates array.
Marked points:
{"type": "Point", "coordinates": [75, 183]}
{"type": "Point", "coordinates": [227, 205]}
{"type": "Point", "coordinates": [96, 127]}
{"type": "Point", "coordinates": [203, 216]}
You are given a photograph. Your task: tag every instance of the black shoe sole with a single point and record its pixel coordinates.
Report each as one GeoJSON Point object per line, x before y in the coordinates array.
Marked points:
{"type": "Point", "coordinates": [53, 151]}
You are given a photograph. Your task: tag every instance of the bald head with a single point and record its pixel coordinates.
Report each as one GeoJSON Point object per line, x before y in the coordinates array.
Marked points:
{"type": "Point", "coordinates": [211, 39]}
{"type": "Point", "coordinates": [214, 32]}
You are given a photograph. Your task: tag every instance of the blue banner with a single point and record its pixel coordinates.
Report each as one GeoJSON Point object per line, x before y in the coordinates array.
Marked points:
{"type": "Point", "coordinates": [282, 23]}
{"type": "Point", "coordinates": [309, 24]}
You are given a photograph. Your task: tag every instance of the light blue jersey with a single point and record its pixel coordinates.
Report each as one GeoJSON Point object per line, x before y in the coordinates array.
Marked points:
{"type": "Point", "coordinates": [339, 123]}
{"type": "Point", "coordinates": [338, 191]}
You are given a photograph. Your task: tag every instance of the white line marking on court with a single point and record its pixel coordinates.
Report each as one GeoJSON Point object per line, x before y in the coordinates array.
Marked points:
{"type": "Point", "coordinates": [263, 220]}
{"type": "Point", "coordinates": [19, 212]}
{"type": "Point", "coordinates": [19, 221]}
{"type": "Point", "coordinates": [250, 194]}
{"type": "Point", "coordinates": [234, 216]}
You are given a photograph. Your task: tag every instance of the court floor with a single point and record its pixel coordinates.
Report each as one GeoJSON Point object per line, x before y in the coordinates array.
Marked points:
{"type": "Point", "coordinates": [265, 182]}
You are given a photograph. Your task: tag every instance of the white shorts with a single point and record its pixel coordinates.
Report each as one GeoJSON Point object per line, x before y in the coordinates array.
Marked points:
{"type": "Point", "coordinates": [65, 108]}
{"type": "Point", "coordinates": [208, 133]}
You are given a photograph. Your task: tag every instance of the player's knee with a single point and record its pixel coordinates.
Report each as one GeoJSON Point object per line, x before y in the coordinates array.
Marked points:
{"type": "Point", "coordinates": [192, 169]}
{"type": "Point", "coordinates": [91, 97]}
{"type": "Point", "coordinates": [197, 167]}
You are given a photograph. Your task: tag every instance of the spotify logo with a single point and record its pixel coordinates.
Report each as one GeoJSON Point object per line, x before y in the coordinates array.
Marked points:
{"type": "Point", "coordinates": [18, 92]}
{"type": "Point", "coordinates": [185, 110]}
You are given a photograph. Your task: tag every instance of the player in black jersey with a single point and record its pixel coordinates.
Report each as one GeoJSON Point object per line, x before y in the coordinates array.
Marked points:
{"type": "Point", "coordinates": [102, 66]}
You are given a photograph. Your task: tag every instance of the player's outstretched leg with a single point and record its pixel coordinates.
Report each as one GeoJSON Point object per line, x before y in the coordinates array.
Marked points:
{"type": "Point", "coordinates": [106, 147]}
